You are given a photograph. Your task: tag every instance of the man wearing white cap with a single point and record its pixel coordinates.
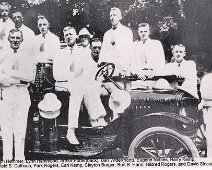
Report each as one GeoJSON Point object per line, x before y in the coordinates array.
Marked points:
{"type": "Point", "coordinates": [206, 106]}
{"type": "Point", "coordinates": [71, 71]}
{"type": "Point", "coordinates": [6, 24]}
{"type": "Point", "coordinates": [116, 44]}
{"type": "Point", "coordinates": [16, 71]}
{"type": "Point", "coordinates": [84, 37]}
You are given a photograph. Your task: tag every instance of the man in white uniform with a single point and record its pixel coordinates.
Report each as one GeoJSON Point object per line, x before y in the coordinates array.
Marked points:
{"type": "Point", "coordinates": [183, 69]}
{"type": "Point", "coordinates": [116, 44]}
{"type": "Point", "coordinates": [6, 24]}
{"type": "Point", "coordinates": [46, 43]}
{"type": "Point", "coordinates": [148, 53]}
{"type": "Point", "coordinates": [71, 70]}
{"type": "Point", "coordinates": [16, 71]}
{"type": "Point", "coordinates": [28, 35]}
{"type": "Point", "coordinates": [46, 46]}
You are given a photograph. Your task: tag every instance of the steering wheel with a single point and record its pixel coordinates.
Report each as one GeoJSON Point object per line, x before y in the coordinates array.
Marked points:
{"type": "Point", "coordinates": [106, 70]}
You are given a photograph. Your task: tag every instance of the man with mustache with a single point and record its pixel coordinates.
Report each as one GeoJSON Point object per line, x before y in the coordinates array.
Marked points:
{"type": "Point", "coordinates": [16, 72]}
{"type": "Point", "coordinates": [6, 24]}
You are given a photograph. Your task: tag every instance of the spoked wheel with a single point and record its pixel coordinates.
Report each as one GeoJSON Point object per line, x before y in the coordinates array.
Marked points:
{"type": "Point", "coordinates": [161, 142]}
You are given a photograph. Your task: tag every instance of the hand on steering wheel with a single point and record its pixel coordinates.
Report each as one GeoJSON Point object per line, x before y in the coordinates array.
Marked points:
{"type": "Point", "coordinates": [105, 70]}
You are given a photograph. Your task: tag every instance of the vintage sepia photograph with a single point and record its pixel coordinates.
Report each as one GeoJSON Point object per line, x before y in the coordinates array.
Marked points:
{"type": "Point", "coordinates": [105, 83]}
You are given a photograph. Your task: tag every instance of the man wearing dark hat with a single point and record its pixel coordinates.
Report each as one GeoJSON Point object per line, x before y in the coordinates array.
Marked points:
{"type": "Point", "coordinates": [17, 69]}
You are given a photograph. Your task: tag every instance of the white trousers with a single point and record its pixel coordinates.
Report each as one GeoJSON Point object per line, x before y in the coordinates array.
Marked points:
{"type": "Point", "coordinates": [90, 91]}
{"type": "Point", "coordinates": [207, 115]}
{"type": "Point", "coordinates": [13, 120]}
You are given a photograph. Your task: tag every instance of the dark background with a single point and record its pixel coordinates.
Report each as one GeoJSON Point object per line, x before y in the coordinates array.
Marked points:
{"type": "Point", "coordinates": [186, 21]}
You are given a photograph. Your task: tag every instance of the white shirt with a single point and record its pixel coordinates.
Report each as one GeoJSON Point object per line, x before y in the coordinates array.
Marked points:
{"type": "Point", "coordinates": [67, 61]}
{"type": "Point", "coordinates": [147, 55]}
{"type": "Point", "coordinates": [5, 28]}
{"type": "Point", "coordinates": [46, 47]}
{"type": "Point", "coordinates": [186, 69]}
{"type": "Point", "coordinates": [116, 47]}
{"type": "Point", "coordinates": [64, 63]}
{"type": "Point", "coordinates": [17, 64]}
{"type": "Point", "coordinates": [28, 39]}
{"type": "Point", "coordinates": [87, 63]}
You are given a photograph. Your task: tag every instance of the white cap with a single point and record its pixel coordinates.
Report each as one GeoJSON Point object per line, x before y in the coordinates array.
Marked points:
{"type": "Point", "coordinates": [84, 31]}
{"type": "Point", "coordinates": [119, 100]}
{"type": "Point", "coordinates": [162, 84]}
{"type": "Point", "coordinates": [50, 106]}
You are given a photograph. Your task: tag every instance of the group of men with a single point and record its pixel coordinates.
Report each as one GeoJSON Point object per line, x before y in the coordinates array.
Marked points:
{"type": "Point", "coordinates": [74, 69]}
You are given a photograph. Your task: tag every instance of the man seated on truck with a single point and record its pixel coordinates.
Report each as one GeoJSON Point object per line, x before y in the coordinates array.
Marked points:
{"type": "Point", "coordinates": [183, 69]}
{"type": "Point", "coordinates": [148, 58]}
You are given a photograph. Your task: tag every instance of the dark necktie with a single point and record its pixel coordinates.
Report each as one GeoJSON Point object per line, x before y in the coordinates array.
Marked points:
{"type": "Point", "coordinates": [178, 64]}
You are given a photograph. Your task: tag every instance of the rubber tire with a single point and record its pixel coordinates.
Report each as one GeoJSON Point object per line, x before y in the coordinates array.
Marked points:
{"type": "Point", "coordinates": [186, 140]}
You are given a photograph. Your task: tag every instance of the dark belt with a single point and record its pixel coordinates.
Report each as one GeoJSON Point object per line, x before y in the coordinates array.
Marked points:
{"type": "Point", "coordinates": [23, 82]}
{"type": "Point", "coordinates": [62, 81]}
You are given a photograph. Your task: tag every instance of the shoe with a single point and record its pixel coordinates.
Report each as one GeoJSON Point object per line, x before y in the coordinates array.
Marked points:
{"type": "Point", "coordinates": [65, 144]}
{"type": "Point", "coordinates": [72, 137]}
